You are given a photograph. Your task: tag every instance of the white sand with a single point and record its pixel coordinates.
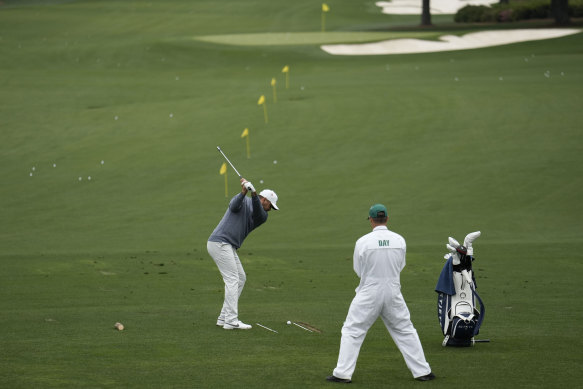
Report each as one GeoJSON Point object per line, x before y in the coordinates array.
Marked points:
{"type": "Point", "coordinates": [473, 40]}
{"type": "Point", "coordinates": [438, 7]}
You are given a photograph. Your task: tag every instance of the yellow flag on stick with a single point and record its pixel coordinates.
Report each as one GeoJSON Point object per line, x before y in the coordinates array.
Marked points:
{"type": "Point", "coordinates": [223, 172]}
{"type": "Point", "coordinates": [261, 101]}
{"type": "Point", "coordinates": [273, 83]}
{"type": "Point", "coordinates": [286, 71]}
{"type": "Point", "coordinates": [245, 134]}
{"type": "Point", "coordinates": [325, 9]}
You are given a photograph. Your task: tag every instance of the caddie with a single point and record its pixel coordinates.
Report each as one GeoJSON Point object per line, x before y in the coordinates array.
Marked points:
{"type": "Point", "coordinates": [379, 258]}
{"type": "Point", "coordinates": [243, 215]}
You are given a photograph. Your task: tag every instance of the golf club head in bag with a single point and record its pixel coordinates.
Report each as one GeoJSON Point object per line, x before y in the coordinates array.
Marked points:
{"type": "Point", "coordinates": [457, 299]}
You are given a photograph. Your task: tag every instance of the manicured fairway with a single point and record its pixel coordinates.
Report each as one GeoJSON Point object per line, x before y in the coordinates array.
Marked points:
{"type": "Point", "coordinates": [123, 92]}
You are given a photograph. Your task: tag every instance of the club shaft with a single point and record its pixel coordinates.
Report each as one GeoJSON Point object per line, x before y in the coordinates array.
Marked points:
{"type": "Point", "coordinates": [223, 154]}
{"type": "Point", "coordinates": [303, 328]}
{"type": "Point", "coordinates": [267, 328]}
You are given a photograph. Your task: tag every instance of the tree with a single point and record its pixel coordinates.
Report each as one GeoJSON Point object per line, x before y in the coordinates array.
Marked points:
{"type": "Point", "coordinates": [425, 13]}
{"type": "Point", "coordinates": [560, 11]}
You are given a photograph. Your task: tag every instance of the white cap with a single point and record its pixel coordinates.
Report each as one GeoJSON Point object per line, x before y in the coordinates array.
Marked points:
{"type": "Point", "coordinates": [271, 196]}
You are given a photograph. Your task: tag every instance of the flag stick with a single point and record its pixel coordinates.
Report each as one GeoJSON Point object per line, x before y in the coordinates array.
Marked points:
{"type": "Point", "coordinates": [273, 83]}
{"type": "Point", "coordinates": [325, 9]}
{"type": "Point", "coordinates": [286, 71]}
{"type": "Point", "coordinates": [261, 101]}
{"type": "Point", "coordinates": [245, 134]}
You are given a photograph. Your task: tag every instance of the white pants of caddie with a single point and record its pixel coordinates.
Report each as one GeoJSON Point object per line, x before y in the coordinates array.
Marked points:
{"type": "Point", "coordinates": [227, 260]}
{"type": "Point", "coordinates": [370, 302]}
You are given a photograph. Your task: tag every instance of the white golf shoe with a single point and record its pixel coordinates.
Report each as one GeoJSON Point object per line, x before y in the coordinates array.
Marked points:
{"type": "Point", "coordinates": [220, 323]}
{"type": "Point", "coordinates": [238, 326]}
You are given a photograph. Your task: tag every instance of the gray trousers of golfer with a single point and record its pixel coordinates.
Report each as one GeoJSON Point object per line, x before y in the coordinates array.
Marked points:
{"type": "Point", "coordinates": [227, 260]}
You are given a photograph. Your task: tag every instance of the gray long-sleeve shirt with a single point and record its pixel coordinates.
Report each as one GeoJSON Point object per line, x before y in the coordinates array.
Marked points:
{"type": "Point", "coordinates": [243, 216]}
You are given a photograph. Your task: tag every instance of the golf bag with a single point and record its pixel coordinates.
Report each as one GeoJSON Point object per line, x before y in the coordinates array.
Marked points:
{"type": "Point", "coordinates": [459, 318]}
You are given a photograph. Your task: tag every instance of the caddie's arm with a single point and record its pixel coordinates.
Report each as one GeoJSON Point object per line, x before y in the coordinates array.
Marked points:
{"type": "Point", "coordinates": [356, 261]}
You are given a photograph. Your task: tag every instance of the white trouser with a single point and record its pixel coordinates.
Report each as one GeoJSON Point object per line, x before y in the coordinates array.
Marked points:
{"type": "Point", "coordinates": [370, 302]}
{"type": "Point", "coordinates": [227, 260]}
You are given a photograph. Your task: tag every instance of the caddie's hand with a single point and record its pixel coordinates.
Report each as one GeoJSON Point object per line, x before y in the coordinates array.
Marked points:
{"type": "Point", "coordinates": [469, 239]}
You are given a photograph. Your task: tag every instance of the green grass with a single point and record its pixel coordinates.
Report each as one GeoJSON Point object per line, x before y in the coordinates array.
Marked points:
{"type": "Point", "coordinates": [308, 38]}
{"type": "Point", "coordinates": [451, 142]}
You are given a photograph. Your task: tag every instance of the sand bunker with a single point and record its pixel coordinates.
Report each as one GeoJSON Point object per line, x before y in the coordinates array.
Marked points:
{"type": "Point", "coordinates": [438, 7]}
{"type": "Point", "coordinates": [473, 40]}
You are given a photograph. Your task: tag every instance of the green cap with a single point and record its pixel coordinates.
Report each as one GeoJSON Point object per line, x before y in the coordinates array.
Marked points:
{"type": "Point", "coordinates": [377, 210]}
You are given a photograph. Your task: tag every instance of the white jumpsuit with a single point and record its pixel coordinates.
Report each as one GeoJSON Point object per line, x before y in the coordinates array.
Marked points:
{"type": "Point", "coordinates": [379, 258]}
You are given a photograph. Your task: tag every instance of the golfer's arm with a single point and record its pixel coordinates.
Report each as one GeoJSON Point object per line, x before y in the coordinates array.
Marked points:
{"type": "Point", "coordinates": [259, 214]}
{"type": "Point", "coordinates": [236, 203]}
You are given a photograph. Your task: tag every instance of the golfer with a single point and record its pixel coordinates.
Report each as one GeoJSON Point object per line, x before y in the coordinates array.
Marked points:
{"type": "Point", "coordinates": [379, 258]}
{"type": "Point", "coordinates": [243, 216]}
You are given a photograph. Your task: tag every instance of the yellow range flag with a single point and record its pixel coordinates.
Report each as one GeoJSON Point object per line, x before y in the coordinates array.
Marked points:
{"type": "Point", "coordinates": [273, 83]}
{"type": "Point", "coordinates": [261, 101]}
{"type": "Point", "coordinates": [325, 9]}
{"type": "Point", "coordinates": [245, 134]}
{"type": "Point", "coordinates": [223, 172]}
{"type": "Point", "coordinates": [286, 71]}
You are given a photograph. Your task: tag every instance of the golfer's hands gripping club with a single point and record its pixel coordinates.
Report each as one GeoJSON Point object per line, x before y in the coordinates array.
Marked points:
{"type": "Point", "coordinates": [247, 186]}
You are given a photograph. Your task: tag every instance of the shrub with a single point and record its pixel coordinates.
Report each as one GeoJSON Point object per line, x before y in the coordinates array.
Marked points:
{"type": "Point", "coordinates": [514, 11]}
{"type": "Point", "coordinates": [473, 14]}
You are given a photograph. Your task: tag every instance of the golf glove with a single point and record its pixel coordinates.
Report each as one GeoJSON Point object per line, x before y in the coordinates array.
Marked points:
{"type": "Point", "coordinates": [469, 239]}
{"type": "Point", "coordinates": [250, 187]}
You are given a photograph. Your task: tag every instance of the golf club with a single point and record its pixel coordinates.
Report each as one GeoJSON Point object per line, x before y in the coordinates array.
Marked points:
{"type": "Point", "coordinates": [302, 327]}
{"type": "Point", "coordinates": [267, 328]}
{"type": "Point", "coordinates": [221, 151]}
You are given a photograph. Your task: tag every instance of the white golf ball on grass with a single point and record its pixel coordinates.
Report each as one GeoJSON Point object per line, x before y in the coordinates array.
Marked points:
{"type": "Point", "coordinates": [288, 322]}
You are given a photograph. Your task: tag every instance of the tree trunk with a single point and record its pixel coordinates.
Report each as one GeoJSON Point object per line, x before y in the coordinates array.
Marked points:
{"type": "Point", "coordinates": [425, 14]}
{"type": "Point", "coordinates": [560, 11]}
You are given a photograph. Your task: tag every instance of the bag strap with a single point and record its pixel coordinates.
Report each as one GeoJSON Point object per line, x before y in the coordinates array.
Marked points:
{"type": "Point", "coordinates": [482, 311]}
